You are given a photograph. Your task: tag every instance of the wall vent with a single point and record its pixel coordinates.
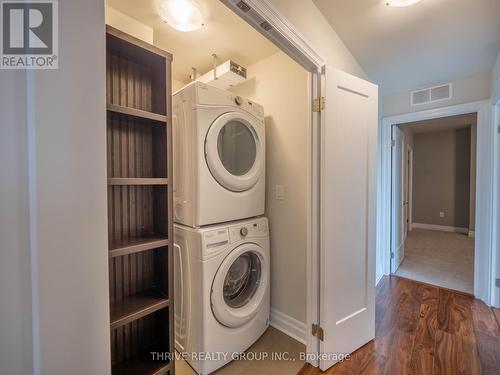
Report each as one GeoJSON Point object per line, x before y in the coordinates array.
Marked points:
{"type": "Point", "coordinates": [431, 94]}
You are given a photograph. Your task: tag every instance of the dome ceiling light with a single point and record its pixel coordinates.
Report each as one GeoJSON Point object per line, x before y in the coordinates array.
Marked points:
{"type": "Point", "coordinates": [182, 15]}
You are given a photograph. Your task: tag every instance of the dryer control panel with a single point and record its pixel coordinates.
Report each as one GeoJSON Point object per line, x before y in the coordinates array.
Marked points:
{"type": "Point", "coordinates": [256, 229]}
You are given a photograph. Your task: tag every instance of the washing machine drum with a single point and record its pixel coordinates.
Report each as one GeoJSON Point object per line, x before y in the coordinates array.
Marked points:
{"type": "Point", "coordinates": [239, 287]}
{"type": "Point", "coordinates": [234, 151]}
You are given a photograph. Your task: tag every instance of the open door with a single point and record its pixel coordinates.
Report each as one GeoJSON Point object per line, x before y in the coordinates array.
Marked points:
{"type": "Point", "coordinates": [348, 189]}
{"type": "Point", "coordinates": [398, 216]}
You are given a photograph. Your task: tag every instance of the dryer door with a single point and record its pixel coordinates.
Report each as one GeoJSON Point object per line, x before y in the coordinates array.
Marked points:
{"type": "Point", "coordinates": [234, 151]}
{"type": "Point", "coordinates": [240, 284]}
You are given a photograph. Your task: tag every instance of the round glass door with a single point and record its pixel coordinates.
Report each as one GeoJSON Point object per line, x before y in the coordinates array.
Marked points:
{"type": "Point", "coordinates": [242, 280]}
{"type": "Point", "coordinates": [236, 145]}
{"type": "Point", "coordinates": [234, 151]}
{"type": "Point", "coordinates": [240, 285]}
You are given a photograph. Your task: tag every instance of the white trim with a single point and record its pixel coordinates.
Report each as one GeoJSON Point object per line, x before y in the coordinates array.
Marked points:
{"type": "Point", "coordinates": [287, 37]}
{"type": "Point", "coordinates": [289, 326]}
{"type": "Point", "coordinates": [472, 234]}
{"type": "Point", "coordinates": [483, 257]}
{"type": "Point", "coordinates": [293, 43]}
{"type": "Point", "coordinates": [441, 228]}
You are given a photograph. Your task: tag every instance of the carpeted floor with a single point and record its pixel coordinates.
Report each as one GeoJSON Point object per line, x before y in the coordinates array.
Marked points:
{"type": "Point", "coordinates": [272, 341]}
{"type": "Point", "coordinates": [439, 258]}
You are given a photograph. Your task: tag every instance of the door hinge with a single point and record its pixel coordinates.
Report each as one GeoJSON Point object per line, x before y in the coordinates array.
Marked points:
{"type": "Point", "coordinates": [393, 143]}
{"type": "Point", "coordinates": [318, 104]}
{"type": "Point", "coordinates": [392, 255]}
{"type": "Point", "coordinates": [317, 331]}
{"type": "Point", "coordinates": [497, 283]}
{"type": "Point", "coordinates": [498, 129]}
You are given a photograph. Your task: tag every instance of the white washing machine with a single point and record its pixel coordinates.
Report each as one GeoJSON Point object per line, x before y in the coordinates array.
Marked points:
{"type": "Point", "coordinates": [221, 290]}
{"type": "Point", "coordinates": [219, 156]}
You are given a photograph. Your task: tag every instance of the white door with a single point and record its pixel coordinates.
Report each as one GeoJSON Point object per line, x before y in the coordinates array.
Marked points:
{"type": "Point", "coordinates": [348, 189]}
{"type": "Point", "coordinates": [398, 217]}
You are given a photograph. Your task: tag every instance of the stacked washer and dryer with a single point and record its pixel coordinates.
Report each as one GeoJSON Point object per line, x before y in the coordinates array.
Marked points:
{"type": "Point", "coordinates": [221, 245]}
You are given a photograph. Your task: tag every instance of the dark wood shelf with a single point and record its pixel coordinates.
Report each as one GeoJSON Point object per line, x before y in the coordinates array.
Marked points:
{"type": "Point", "coordinates": [137, 181]}
{"type": "Point", "coordinates": [141, 366]}
{"type": "Point", "coordinates": [129, 111]}
{"type": "Point", "coordinates": [136, 307]}
{"type": "Point", "coordinates": [136, 245]}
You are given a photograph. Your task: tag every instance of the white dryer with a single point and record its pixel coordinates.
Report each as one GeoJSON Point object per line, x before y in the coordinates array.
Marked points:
{"type": "Point", "coordinates": [221, 290]}
{"type": "Point", "coordinates": [219, 156]}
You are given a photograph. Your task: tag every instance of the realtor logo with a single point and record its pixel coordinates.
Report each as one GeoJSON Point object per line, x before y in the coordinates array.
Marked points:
{"type": "Point", "coordinates": [29, 34]}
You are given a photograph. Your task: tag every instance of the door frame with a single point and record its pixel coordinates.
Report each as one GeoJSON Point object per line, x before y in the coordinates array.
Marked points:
{"type": "Point", "coordinates": [410, 188]}
{"type": "Point", "coordinates": [296, 46]}
{"type": "Point", "coordinates": [483, 256]}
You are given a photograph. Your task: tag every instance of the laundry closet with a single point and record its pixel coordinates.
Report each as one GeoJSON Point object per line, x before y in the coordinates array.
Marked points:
{"type": "Point", "coordinates": [235, 229]}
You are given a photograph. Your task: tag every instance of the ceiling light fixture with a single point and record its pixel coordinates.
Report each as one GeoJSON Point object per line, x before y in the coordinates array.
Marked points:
{"type": "Point", "coordinates": [401, 3]}
{"type": "Point", "coordinates": [182, 15]}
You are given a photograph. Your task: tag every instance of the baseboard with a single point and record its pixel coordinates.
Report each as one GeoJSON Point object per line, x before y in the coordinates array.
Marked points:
{"type": "Point", "coordinates": [472, 233]}
{"type": "Point", "coordinates": [442, 228]}
{"type": "Point", "coordinates": [288, 325]}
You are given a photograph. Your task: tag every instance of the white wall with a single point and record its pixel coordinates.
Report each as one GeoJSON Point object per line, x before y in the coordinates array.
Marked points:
{"type": "Point", "coordinates": [280, 85]}
{"type": "Point", "coordinates": [309, 21]}
{"type": "Point", "coordinates": [495, 79]}
{"type": "Point", "coordinates": [15, 288]}
{"type": "Point", "coordinates": [68, 206]}
{"type": "Point", "coordinates": [465, 90]}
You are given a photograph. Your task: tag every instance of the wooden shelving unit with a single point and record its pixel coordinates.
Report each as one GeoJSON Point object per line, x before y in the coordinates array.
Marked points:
{"type": "Point", "coordinates": [140, 224]}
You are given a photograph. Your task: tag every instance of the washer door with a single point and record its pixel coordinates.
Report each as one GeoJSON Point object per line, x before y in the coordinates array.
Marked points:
{"type": "Point", "coordinates": [239, 286]}
{"type": "Point", "coordinates": [234, 151]}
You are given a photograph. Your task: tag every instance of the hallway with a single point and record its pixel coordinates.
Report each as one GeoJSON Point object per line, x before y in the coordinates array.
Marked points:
{"type": "Point", "coordinates": [423, 329]}
{"type": "Point", "coordinates": [439, 258]}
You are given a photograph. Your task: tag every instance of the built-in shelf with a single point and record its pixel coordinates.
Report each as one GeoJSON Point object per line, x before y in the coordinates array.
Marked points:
{"type": "Point", "coordinates": [141, 366]}
{"type": "Point", "coordinates": [137, 181]}
{"type": "Point", "coordinates": [129, 111]}
{"type": "Point", "coordinates": [119, 248]}
{"type": "Point", "coordinates": [135, 307]}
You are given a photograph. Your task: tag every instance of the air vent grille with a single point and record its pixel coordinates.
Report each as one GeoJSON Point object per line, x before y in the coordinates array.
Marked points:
{"type": "Point", "coordinates": [243, 6]}
{"type": "Point", "coordinates": [431, 94]}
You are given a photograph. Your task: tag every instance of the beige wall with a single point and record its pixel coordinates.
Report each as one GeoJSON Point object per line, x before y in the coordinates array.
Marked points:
{"type": "Point", "coordinates": [466, 90]}
{"type": "Point", "coordinates": [128, 25]}
{"type": "Point", "coordinates": [441, 178]}
{"type": "Point", "coordinates": [280, 85]}
{"type": "Point", "coordinates": [308, 20]}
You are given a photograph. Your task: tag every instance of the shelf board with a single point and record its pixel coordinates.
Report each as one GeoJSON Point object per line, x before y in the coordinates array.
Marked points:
{"type": "Point", "coordinates": [136, 113]}
{"type": "Point", "coordinates": [141, 366]}
{"type": "Point", "coordinates": [137, 181]}
{"type": "Point", "coordinates": [136, 307]}
{"type": "Point", "coordinates": [124, 247]}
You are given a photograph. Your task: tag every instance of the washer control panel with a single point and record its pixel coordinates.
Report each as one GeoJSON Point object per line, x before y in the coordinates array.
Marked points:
{"type": "Point", "coordinates": [255, 229]}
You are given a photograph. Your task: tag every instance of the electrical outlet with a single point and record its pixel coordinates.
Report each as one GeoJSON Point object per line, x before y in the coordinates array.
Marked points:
{"type": "Point", "coordinates": [280, 192]}
{"type": "Point", "coordinates": [441, 214]}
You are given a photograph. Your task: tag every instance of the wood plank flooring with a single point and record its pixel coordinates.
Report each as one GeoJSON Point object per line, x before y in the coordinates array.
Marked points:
{"type": "Point", "coordinates": [425, 329]}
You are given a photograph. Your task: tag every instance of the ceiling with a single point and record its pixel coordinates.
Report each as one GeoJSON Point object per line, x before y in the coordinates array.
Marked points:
{"type": "Point", "coordinates": [407, 48]}
{"type": "Point", "coordinates": [442, 124]}
{"type": "Point", "coordinates": [224, 34]}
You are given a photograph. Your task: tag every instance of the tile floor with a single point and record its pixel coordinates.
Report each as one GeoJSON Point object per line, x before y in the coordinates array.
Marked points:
{"type": "Point", "coordinates": [272, 341]}
{"type": "Point", "coordinates": [439, 258]}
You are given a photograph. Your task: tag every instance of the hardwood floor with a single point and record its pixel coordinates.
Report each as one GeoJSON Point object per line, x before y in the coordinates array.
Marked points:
{"type": "Point", "coordinates": [425, 329]}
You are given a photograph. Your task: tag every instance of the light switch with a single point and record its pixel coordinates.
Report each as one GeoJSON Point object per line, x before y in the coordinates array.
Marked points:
{"type": "Point", "coordinates": [441, 214]}
{"type": "Point", "coordinates": [280, 192]}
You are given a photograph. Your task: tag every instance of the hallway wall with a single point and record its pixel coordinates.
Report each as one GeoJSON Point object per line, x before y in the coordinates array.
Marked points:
{"type": "Point", "coordinates": [280, 85]}
{"type": "Point", "coordinates": [441, 178]}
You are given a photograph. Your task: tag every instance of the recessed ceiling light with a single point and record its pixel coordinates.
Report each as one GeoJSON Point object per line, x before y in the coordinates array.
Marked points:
{"type": "Point", "coordinates": [182, 15]}
{"type": "Point", "coordinates": [401, 3]}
